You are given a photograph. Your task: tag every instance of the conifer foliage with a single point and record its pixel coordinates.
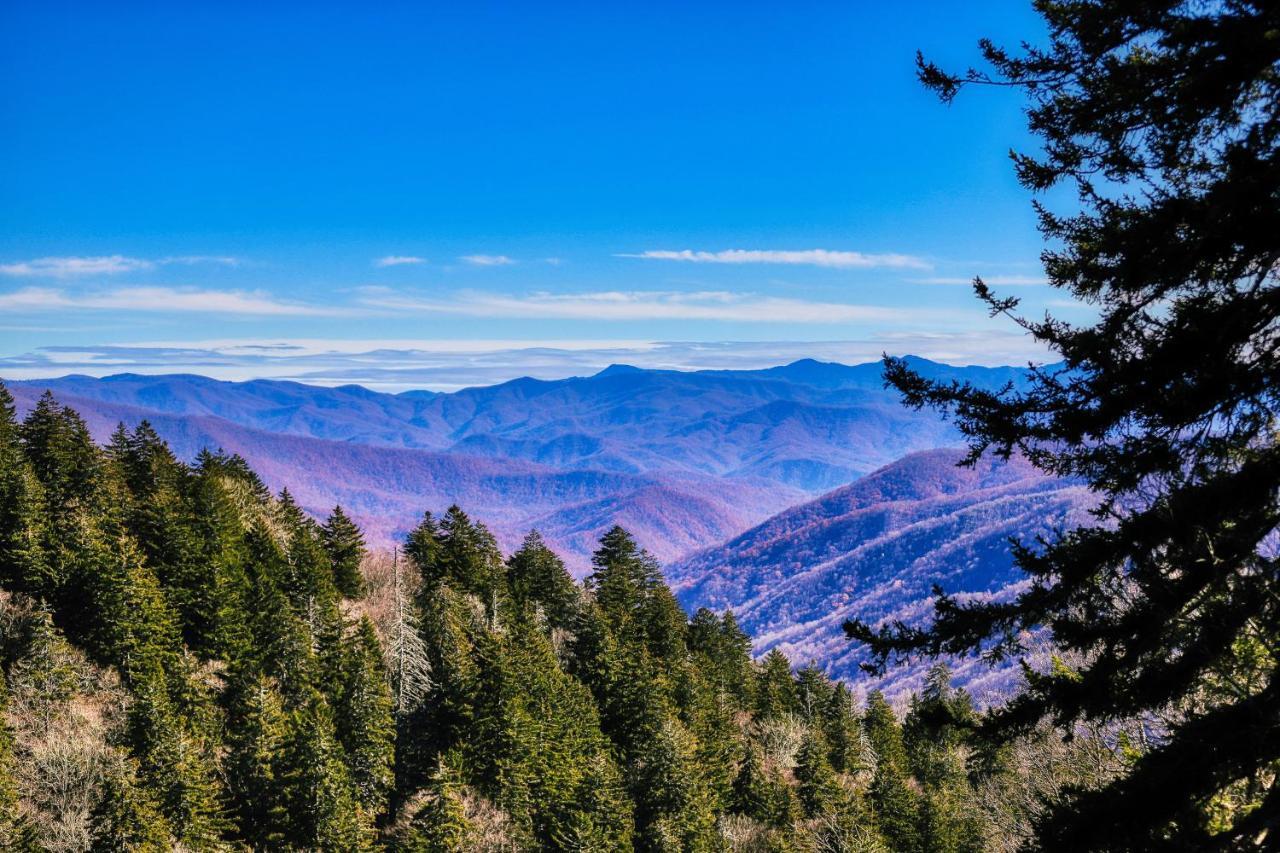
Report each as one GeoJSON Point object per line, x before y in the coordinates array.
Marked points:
{"type": "Point", "coordinates": [1164, 119]}
{"type": "Point", "coordinates": [189, 662]}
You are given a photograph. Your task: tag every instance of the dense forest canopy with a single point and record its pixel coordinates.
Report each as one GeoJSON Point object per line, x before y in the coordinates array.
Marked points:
{"type": "Point", "coordinates": [191, 661]}
{"type": "Point", "coordinates": [1164, 117]}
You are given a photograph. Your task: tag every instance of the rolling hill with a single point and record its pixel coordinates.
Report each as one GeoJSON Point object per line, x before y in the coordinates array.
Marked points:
{"type": "Point", "coordinates": [809, 425]}
{"type": "Point", "coordinates": [720, 474]}
{"type": "Point", "coordinates": [873, 549]}
{"type": "Point", "coordinates": [686, 460]}
{"type": "Point", "coordinates": [387, 488]}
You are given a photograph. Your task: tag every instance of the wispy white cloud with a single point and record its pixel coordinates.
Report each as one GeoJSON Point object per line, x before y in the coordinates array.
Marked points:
{"type": "Point", "coordinates": [73, 267]}
{"type": "Point", "coordinates": [446, 365]}
{"type": "Point", "coordinates": [806, 257]}
{"type": "Point", "coordinates": [993, 280]}
{"type": "Point", "coordinates": [398, 261]}
{"type": "Point", "coordinates": [160, 300]}
{"type": "Point", "coordinates": [487, 260]}
{"type": "Point", "coordinates": [189, 260]}
{"type": "Point", "coordinates": [635, 305]}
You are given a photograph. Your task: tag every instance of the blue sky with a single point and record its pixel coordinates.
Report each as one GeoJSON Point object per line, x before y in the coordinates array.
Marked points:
{"type": "Point", "coordinates": [429, 195]}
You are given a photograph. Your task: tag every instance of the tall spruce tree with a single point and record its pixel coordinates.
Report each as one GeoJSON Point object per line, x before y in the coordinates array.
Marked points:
{"type": "Point", "coordinates": [469, 557]}
{"type": "Point", "coordinates": [1163, 117]}
{"type": "Point", "coordinates": [775, 690]}
{"type": "Point", "coordinates": [344, 544]}
{"type": "Point", "coordinates": [537, 578]}
{"type": "Point", "coordinates": [23, 561]}
{"type": "Point", "coordinates": [895, 801]}
{"type": "Point", "coordinates": [819, 790]}
{"type": "Point", "coordinates": [324, 811]}
{"type": "Point", "coordinates": [441, 825]}
{"type": "Point", "coordinates": [126, 818]}
{"type": "Point", "coordinates": [365, 720]}
{"type": "Point", "coordinates": [256, 732]}
{"type": "Point", "coordinates": [175, 764]}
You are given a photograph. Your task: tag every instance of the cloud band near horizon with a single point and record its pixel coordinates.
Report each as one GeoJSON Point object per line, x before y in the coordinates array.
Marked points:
{"type": "Point", "coordinates": [76, 267]}
{"type": "Point", "coordinates": [446, 365]}
{"type": "Point", "coordinates": [806, 257]}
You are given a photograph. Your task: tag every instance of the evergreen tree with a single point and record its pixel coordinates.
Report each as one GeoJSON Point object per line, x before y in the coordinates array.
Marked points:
{"type": "Point", "coordinates": [469, 557]}
{"type": "Point", "coordinates": [344, 544]}
{"type": "Point", "coordinates": [450, 625]}
{"type": "Point", "coordinates": [536, 577]}
{"type": "Point", "coordinates": [365, 720]}
{"type": "Point", "coordinates": [819, 790]}
{"type": "Point", "coordinates": [157, 514]}
{"type": "Point", "coordinates": [843, 731]}
{"type": "Point", "coordinates": [130, 622]}
{"type": "Point", "coordinates": [1162, 117]}
{"type": "Point", "coordinates": [24, 565]}
{"type": "Point", "coordinates": [214, 603]}
{"type": "Point", "coordinates": [735, 659]}
{"type": "Point", "coordinates": [174, 763]}
{"type": "Point", "coordinates": [672, 809]}
{"type": "Point", "coordinates": [896, 805]}
{"type": "Point", "coordinates": [775, 691]}
{"type": "Point", "coordinates": [126, 819]}
{"type": "Point", "coordinates": [256, 733]}
{"type": "Point", "coordinates": [423, 550]}
{"type": "Point", "coordinates": [813, 692]}
{"type": "Point", "coordinates": [60, 451]}
{"type": "Point", "coordinates": [279, 644]}
{"type": "Point", "coordinates": [627, 584]}
{"type": "Point", "coordinates": [323, 804]}
{"type": "Point", "coordinates": [441, 825]}
{"type": "Point", "coordinates": [756, 792]}
{"type": "Point", "coordinates": [599, 814]}
{"type": "Point", "coordinates": [14, 832]}
{"type": "Point", "coordinates": [68, 469]}
{"type": "Point", "coordinates": [936, 736]}
{"type": "Point", "coordinates": [39, 663]}
{"type": "Point", "coordinates": [937, 729]}
{"type": "Point", "coordinates": [709, 712]}
{"type": "Point", "coordinates": [725, 653]}
{"type": "Point", "coordinates": [748, 786]}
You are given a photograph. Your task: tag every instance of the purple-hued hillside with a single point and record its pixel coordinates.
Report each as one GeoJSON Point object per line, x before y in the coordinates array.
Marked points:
{"type": "Point", "coordinates": [683, 459]}
{"type": "Point", "coordinates": [874, 549]}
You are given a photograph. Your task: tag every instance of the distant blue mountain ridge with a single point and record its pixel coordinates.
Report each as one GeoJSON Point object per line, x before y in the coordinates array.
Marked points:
{"type": "Point", "coordinates": [809, 425]}
{"type": "Point", "coordinates": [874, 549]}
{"type": "Point", "coordinates": [686, 458]}
{"type": "Point", "coordinates": [796, 495]}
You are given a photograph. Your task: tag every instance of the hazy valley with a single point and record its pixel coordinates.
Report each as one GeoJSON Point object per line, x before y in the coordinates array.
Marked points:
{"type": "Point", "coordinates": [796, 496]}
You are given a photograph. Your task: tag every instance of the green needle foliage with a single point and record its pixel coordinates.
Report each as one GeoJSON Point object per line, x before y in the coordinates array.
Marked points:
{"type": "Point", "coordinates": [344, 544]}
{"type": "Point", "coordinates": [186, 669]}
{"type": "Point", "coordinates": [1163, 118]}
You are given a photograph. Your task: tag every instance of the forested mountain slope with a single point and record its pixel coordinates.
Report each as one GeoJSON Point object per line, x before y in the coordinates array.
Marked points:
{"type": "Point", "coordinates": [875, 549]}
{"type": "Point", "coordinates": [808, 425]}
{"type": "Point", "coordinates": [684, 459]}
{"type": "Point", "coordinates": [192, 662]}
{"type": "Point", "coordinates": [387, 488]}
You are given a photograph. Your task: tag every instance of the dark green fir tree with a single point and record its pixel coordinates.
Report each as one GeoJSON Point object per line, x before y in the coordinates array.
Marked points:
{"type": "Point", "coordinates": [1161, 119]}
{"type": "Point", "coordinates": [344, 544]}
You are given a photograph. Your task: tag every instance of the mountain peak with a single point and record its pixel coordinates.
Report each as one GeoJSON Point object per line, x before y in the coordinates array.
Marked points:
{"type": "Point", "coordinates": [616, 369]}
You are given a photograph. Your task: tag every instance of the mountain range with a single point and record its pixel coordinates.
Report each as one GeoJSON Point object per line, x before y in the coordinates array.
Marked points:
{"type": "Point", "coordinates": [684, 459]}
{"type": "Point", "coordinates": [797, 496]}
{"type": "Point", "coordinates": [874, 549]}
